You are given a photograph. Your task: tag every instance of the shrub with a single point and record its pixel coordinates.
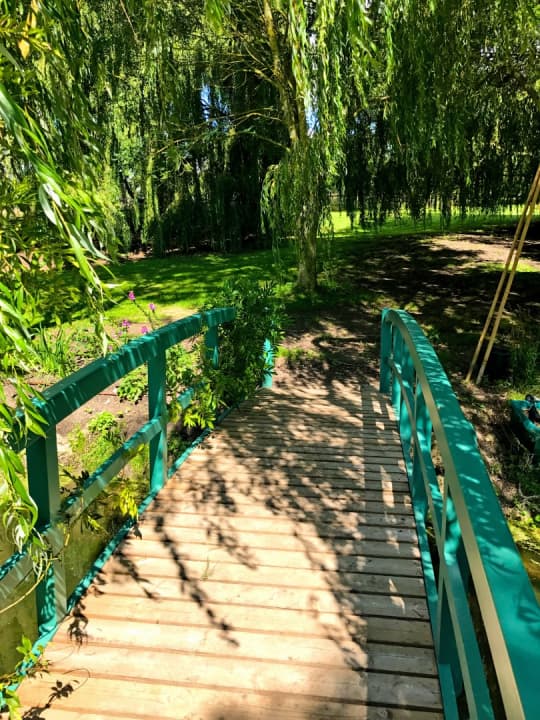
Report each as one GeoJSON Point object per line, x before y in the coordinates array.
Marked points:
{"type": "Point", "coordinates": [242, 363]}
{"type": "Point", "coordinates": [134, 385]}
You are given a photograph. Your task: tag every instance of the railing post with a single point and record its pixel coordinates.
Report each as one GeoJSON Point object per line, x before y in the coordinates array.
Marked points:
{"type": "Point", "coordinates": [211, 341]}
{"type": "Point", "coordinates": [44, 488]}
{"type": "Point", "coordinates": [397, 356]}
{"type": "Point", "coordinates": [407, 406]}
{"type": "Point", "coordinates": [157, 408]}
{"type": "Point", "coordinates": [422, 448]}
{"type": "Point", "coordinates": [268, 364]}
{"type": "Point", "coordinates": [386, 351]}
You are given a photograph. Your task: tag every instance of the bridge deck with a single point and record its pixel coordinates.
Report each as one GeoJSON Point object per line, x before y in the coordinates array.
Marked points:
{"type": "Point", "coordinates": [277, 576]}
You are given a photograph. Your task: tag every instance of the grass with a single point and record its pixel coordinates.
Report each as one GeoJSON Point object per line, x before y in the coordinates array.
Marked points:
{"type": "Point", "coordinates": [179, 284]}
{"type": "Point", "coordinates": [475, 221]}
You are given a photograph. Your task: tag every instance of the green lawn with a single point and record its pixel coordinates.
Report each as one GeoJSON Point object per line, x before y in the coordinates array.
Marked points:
{"type": "Point", "coordinates": [180, 284]}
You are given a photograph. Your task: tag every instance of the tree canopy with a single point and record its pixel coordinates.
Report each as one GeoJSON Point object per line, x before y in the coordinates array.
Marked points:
{"type": "Point", "coordinates": [190, 125]}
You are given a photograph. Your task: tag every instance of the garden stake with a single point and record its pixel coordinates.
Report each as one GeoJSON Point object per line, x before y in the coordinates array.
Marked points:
{"type": "Point", "coordinates": [513, 259]}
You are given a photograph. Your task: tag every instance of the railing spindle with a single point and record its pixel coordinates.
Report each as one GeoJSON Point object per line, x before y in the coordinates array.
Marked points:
{"type": "Point", "coordinates": [44, 488]}
{"type": "Point", "coordinates": [157, 408]}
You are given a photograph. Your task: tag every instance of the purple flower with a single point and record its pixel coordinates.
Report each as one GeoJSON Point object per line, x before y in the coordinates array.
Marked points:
{"type": "Point", "coordinates": [131, 295]}
{"type": "Point", "coordinates": [152, 307]}
{"type": "Point", "coordinates": [125, 323]}
{"type": "Point", "coordinates": [144, 329]}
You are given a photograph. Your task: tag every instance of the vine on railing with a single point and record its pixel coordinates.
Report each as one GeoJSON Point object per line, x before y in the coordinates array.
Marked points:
{"type": "Point", "coordinates": [484, 615]}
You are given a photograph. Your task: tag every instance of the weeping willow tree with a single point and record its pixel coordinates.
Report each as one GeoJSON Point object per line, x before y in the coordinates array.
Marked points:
{"type": "Point", "coordinates": [51, 216]}
{"type": "Point", "coordinates": [463, 102]}
{"type": "Point", "coordinates": [313, 54]}
{"type": "Point", "coordinates": [397, 104]}
{"type": "Point", "coordinates": [141, 80]}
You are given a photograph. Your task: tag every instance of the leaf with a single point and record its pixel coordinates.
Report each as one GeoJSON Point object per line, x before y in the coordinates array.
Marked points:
{"type": "Point", "coordinates": [9, 57]}
{"type": "Point", "coordinates": [85, 242]}
{"type": "Point", "coordinates": [46, 206]}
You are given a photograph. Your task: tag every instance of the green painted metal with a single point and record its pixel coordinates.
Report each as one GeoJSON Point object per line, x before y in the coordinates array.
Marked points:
{"type": "Point", "coordinates": [63, 399]}
{"type": "Point", "coordinates": [211, 340]}
{"type": "Point", "coordinates": [527, 431]}
{"type": "Point", "coordinates": [44, 488]}
{"type": "Point", "coordinates": [269, 364]}
{"type": "Point", "coordinates": [472, 541]}
{"type": "Point", "coordinates": [157, 410]}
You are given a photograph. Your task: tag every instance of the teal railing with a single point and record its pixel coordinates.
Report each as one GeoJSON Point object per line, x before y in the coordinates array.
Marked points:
{"type": "Point", "coordinates": [484, 615]}
{"type": "Point", "coordinates": [59, 402]}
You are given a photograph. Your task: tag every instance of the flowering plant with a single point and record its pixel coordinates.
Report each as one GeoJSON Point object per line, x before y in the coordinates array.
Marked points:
{"type": "Point", "coordinates": [149, 314]}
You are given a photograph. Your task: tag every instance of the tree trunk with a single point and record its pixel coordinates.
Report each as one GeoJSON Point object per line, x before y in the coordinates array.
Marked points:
{"type": "Point", "coordinates": [307, 264]}
{"type": "Point", "coordinates": [307, 228]}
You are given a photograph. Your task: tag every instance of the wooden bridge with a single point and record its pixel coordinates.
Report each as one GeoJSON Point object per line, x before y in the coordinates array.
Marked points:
{"type": "Point", "coordinates": [284, 571]}
{"type": "Point", "coordinates": [277, 575]}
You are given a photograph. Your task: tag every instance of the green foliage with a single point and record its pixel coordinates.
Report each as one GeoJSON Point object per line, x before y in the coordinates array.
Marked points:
{"type": "Point", "coordinates": [53, 353]}
{"type": "Point", "coordinates": [462, 98]}
{"type": "Point", "coordinates": [179, 371]}
{"type": "Point", "coordinates": [90, 449]}
{"type": "Point", "coordinates": [525, 353]}
{"type": "Point", "coordinates": [242, 363]}
{"type": "Point", "coordinates": [134, 385]}
{"type": "Point", "coordinates": [105, 425]}
{"type": "Point", "coordinates": [9, 699]}
{"type": "Point", "coordinates": [85, 343]}
{"type": "Point", "coordinates": [50, 217]}
{"type": "Point", "coordinates": [298, 355]}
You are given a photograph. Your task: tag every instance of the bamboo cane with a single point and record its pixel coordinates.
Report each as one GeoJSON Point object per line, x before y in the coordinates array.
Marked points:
{"type": "Point", "coordinates": [502, 278]}
{"type": "Point", "coordinates": [512, 260]}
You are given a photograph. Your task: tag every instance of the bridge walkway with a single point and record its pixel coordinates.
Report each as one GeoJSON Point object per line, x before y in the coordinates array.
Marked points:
{"type": "Point", "coordinates": [277, 575]}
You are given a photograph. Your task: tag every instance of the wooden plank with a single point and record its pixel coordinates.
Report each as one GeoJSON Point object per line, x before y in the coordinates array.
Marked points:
{"type": "Point", "coordinates": [298, 436]}
{"type": "Point", "coordinates": [269, 596]}
{"type": "Point", "coordinates": [296, 474]}
{"type": "Point", "coordinates": [251, 511]}
{"type": "Point", "coordinates": [306, 500]}
{"type": "Point", "coordinates": [254, 547]}
{"type": "Point", "coordinates": [323, 488]}
{"type": "Point", "coordinates": [155, 522]}
{"type": "Point", "coordinates": [182, 611]}
{"type": "Point", "coordinates": [330, 561]}
{"type": "Point", "coordinates": [172, 669]}
{"type": "Point", "coordinates": [240, 477]}
{"type": "Point", "coordinates": [234, 571]}
{"type": "Point", "coordinates": [335, 651]}
{"type": "Point", "coordinates": [391, 482]}
{"type": "Point", "coordinates": [229, 442]}
{"type": "Point", "coordinates": [148, 701]}
{"type": "Point", "coordinates": [290, 460]}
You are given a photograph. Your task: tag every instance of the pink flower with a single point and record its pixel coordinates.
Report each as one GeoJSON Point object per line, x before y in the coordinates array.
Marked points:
{"type": "Point", "coordinates": [144, 329]}
{"type": "Point", "coordinates": [152, 307]}
{"type": "Point", "coordinates": [131, 295]}
{"type": "Point", "coordinates": [125, 323]}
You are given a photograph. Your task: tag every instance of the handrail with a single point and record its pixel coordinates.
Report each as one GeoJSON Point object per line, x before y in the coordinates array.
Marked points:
{"type": "Point", "coordinates": [57, 403]}
{"type": "Point", "coordinates": [479, 566]}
